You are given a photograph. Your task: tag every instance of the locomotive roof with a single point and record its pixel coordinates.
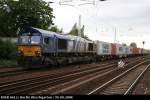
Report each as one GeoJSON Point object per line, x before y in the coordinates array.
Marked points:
{"type": "Point", "coordinates": [48, 33]}
{"type": "Point", "coordinates": [44, 32]}
{"type": "Point", "coordinates": [62, 36]}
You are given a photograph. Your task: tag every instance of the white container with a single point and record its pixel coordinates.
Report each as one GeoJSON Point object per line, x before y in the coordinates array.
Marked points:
{"type": "Point", "coordinates": [103, 48]}
{"type": "Point", "coordinates": [120, 50]}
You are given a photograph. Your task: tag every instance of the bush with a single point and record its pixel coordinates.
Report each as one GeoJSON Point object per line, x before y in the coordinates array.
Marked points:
{"type": "Point", "coordinates": [7, 50]}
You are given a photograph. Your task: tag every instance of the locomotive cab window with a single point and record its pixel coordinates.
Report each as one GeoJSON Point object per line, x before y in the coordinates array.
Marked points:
{"type": "Point", "coordinates": [90, 47]}
{"type": "Point", "coordinates": [48, 42]}
{"type": "Point", "coordinates": [27, 36]}
{"type": "Point", "coordinates": [35, 39]}
{"type": "Point", "coordinates": [24, 39]}
{"type": "Point", "coordinates": [62, 44]}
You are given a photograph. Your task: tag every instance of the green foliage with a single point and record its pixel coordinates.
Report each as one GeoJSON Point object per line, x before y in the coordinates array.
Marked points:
{"type": "Point", "coordinates": [4, 62]}
{"type": "Point", "coordinates": [124, 44]}
{"type": "Point", "coordinates": [74, 31]}
{"type": "Point", "coordinates": [86, 37]}
{"type": "Point", "coordinates": [56, 29]}
{"type": "Point", "coordinates": [14, 14]}
{"type": "Point", "coordinates": [7, 50]}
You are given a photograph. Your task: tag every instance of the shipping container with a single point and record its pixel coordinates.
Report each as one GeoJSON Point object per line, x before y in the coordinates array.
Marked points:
{"type": "Point", "coordinates": [113, 49]}
{"type": "Point", "coordinates": [120, 50]}
{"type": "Point", "coordinates": [103, 48]}
{"type": "Point", "coordinates": [136, 51]}
{"type": "Point", "coordinates": [128, 50]}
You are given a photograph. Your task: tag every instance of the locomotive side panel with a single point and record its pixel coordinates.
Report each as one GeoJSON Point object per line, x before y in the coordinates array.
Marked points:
{"type": "Point", "coordinates": [48, 45]}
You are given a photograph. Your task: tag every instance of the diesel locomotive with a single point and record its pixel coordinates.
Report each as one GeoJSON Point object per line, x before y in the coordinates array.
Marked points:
{"type": "Point", "coordinates": [38, 46]}
{"type": "Point", "coordinates": [44, 47]}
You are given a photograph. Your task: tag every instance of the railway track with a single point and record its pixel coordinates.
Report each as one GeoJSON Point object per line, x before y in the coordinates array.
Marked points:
{"type": "Point", "coordinates": [9, 71]}
{"type": "Point", "coordinates": [133, 85]}
{"type": "Point", "coordinates": [38, 83]}
{"type": "Point", "coordinates": [24, 74]}
{"type": "Point", "coordinates": [70, 87]}
{"type": "Point", "coordinates": [11, 86]}
{"type": "Point", "coordinates": [57, 73]}
{"type": "Point", "coordinates": [12, 73]}
{"type": "Point", "coordinates": [26, 85]}
{"type": "Point", "coordinates": [124, 82]}
{"type": "Point", "coordinates": [81, 85]}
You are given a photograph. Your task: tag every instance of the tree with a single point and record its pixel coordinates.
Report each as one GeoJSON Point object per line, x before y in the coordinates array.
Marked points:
{"type": "Point", "coordinates": [82, 31]}
{"type": "Point", "coordinates": [36, 13]}
{"type": "Point", "coordinates": [56, 29]}
{"type": "Point", "coordinates": [74, 31]}
{"type": "Point", "coordinates": [133, 44]}
{"type": "Point", "coordinates": [124, 44]}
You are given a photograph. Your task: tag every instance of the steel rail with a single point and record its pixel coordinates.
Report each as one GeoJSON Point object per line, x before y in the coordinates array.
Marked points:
{"type": "Point", "coordinates": [135, 82]}
{"type": "Point", "coordinates": [75, 83]}
{"type": "Point", "coordinates": [115, 78]}
{"type": "Point", "coordinates": [81, 69]}
{"type": "Point", "coordinates": [57, 78]}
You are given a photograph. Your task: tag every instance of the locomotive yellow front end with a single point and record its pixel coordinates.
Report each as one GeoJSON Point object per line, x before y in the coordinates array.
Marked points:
{"type": "Point", "coordinates": [29, 47]}
{"type": "Point", "coordinates": [29, 51]}
{"type": "Point", "coordinates": [29, 55]}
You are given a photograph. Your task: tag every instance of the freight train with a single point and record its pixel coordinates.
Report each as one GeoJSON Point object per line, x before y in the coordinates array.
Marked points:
{"type": "Point", "coordinates": [44, 47]}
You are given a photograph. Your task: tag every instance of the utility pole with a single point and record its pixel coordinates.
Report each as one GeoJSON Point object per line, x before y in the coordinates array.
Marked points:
{"type": "Point", "coordinates": [115, 35]}
{"type": "Point", "coordinates": [63, 2]}
{"type": "Point", "coordinates": [79, 28]}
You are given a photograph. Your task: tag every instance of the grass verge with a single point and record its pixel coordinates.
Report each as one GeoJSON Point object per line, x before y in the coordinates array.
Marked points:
{"type": "Point", "coordinates": [7, 63]}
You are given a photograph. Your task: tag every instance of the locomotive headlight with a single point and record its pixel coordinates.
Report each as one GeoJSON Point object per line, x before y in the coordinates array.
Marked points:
{"type": "Point", "coordinates": [20, 50]}
{"type": "Point", "coordinates": [38, 53]}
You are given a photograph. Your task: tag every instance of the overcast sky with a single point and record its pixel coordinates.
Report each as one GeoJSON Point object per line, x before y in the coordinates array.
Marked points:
{"type": "Point", "coordinates": [131, 18]}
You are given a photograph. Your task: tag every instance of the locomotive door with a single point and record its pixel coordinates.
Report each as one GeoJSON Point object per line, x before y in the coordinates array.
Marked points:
{"type": "Point", "coordinates": [49, 45]}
